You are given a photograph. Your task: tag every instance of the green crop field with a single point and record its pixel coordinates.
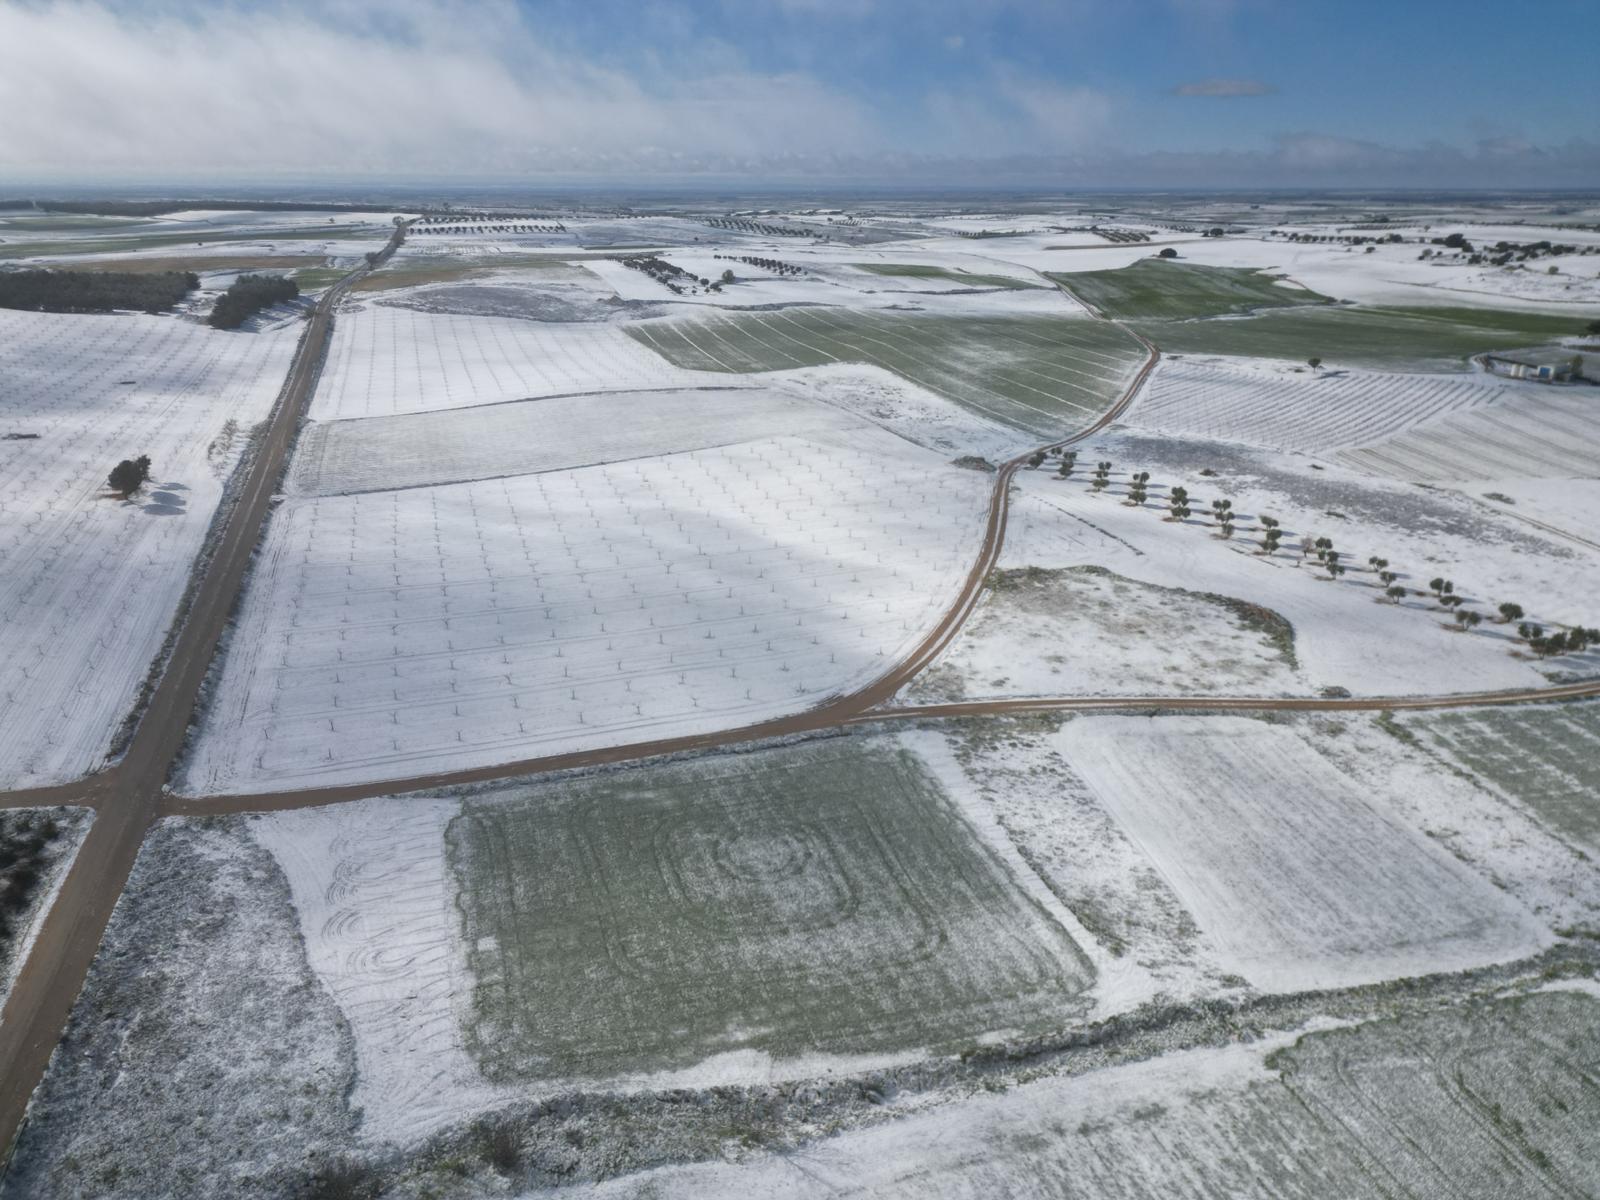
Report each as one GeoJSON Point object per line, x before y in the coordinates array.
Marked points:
{"type": "Point", "coordinates": [1343, 335]}
{"type": "Point", "coordinates": [1155, 288]}
{"type": "Point", "coordinates": [820, 899]}
{"type": "Point", "coordinates": [1545, 757]}
{"type": "Point", "coordinates": [1046, 375]}
{"type": "Point", "coordinates": [963, 278]}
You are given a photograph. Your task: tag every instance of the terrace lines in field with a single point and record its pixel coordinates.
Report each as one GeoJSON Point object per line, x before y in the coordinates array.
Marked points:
{"type": "Point", "coordinates": [1040, 374]}
{"type": "Point", "coordinates": [469, 624]}
{"type": "Point", "coordinates": [1529, 434]}
{"type": "Point", "coordinates": [1309, 413]}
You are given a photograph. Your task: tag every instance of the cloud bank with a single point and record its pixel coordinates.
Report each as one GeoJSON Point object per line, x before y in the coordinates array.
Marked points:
{"type": "Point", "coordinates": [410, 89]}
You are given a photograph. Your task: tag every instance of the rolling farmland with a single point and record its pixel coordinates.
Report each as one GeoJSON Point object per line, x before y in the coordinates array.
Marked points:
{"type": "Point", "coordinates": [527, 437]}
{"type": "Point", "coordinates": [1544, 758]}
{"type": "Point", "coordinates": [1299, 879]}
{"type": "Point", "coordinates": [824, 900]}
{"type": "Point", "coordinates": [1154, 289]}
{"type": "Point", "coordinates": [386, 360]}
{"type": "Point", "coordinates": [91, 582]}
{"type": "Point", "coordinates": [1246, 402]}
{"type": "Point", "coordinates": [1534, 433]}
{"type": "Point", "coordinates": [486, 622]}
{"type": "Point", "coordinates": [1044, 375]}
{"type": "Point", "coordinates": [1490, 1099]}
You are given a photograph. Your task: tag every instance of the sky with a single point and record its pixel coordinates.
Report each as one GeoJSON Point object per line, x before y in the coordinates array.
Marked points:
{"type": "Point", "coordinates": [1056, 93]}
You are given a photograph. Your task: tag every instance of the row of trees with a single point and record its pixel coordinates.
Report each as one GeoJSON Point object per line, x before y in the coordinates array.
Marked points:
{"type": "Point", "coordinates": [755, 260]}
{"type": "Point", "coordinates": [1180, 506]}
{"type": "Point", "coordinates": [94, 291]}
{"type": "Point", "coordinates": [248, 296]}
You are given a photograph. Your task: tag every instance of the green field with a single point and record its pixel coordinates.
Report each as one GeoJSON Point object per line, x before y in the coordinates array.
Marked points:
{"type": "Point", "coordinates": [820, 899]}
{"type": "Point", "coordinates": [1545, 757]}
{"type": "Point", "coordinates": [962, 278]}
{"type": "Point", "coordinates": [1046, 375]}
{"type": "Point", "coordinates": [1158, 289]}
{"type": "Point", "coordinates": [1423, 338]}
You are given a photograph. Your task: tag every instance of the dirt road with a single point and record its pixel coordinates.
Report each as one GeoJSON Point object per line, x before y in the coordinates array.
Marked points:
{"type": "Point", "coordinates": [128, 797]}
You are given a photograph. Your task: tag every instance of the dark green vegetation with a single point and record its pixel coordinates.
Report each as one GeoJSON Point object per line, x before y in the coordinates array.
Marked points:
{"type": "Point", "coordinates": [1342, 335]}
{"type": "Point", "coordinates": [1155, 289]}
{"type": "Point", "coordinates": [94, 291]}
{"type": "Point", "coordinates": [1045, 375]}
{"type": "Point", "coordinates": [1545, 757]}
{"type": "Point", "coordinates": [27, 847]}
{"type": "Point", "coordinates": [961, 278]}
{"type": "Point", "coordinates": [129, 475]}
{"type": "Point", "coordinates": [822, 899]}
{"type": "Point", "coordinates": [248, 295]}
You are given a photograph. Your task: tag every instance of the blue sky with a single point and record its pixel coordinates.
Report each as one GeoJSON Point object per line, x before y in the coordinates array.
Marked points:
{"type": "Point", "coordinates": [1075, 92]}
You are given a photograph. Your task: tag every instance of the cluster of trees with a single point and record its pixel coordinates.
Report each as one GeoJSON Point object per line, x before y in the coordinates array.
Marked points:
{"type": "Point", "coordinates": [1549, 645]}
{"type": "Point", "coordinates": [129, 475]}
{"type": "Point", "coordinates": [674, 278]}
{"type": "Point", "coordinates": [24, 838]}
{"type": "Point", "coordinates": [770, 264]}
{"type": "Point", "coordinates": [94, 291]}
{"type": "Point", "coordinates": [1345, 239]}
{"type": "Point", "coordinates": [248, 296]}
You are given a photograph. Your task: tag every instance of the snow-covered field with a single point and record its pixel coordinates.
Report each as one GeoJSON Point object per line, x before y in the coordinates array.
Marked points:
{"type": "Point", "coordinates": [1535, 432]}
{"type": "Point", "coordinates": [1344, 635]}
{"type": "Point", "coordinates": [1344, 1112]}
{"type": "Point", "coordinates": [1087, 632]}
{"type": "Point", "coordinates": [532, 436]}
{"type": "Point", "coordinates": [90, 584]}
{"type": "Point", "coordinates": [1286, 406]}
{"type": "Point", "coordinates": [391, 634]}
{"type": "Point", "coordinates": [1299, 879]}
{"type": "Point", "coordinates": [385, 360]}
{"type": "Point", "coordinates": [449, 933]}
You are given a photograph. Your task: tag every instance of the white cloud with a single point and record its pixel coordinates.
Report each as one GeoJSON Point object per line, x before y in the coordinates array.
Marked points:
{"type": "Point", "coordinates": [398, 87]}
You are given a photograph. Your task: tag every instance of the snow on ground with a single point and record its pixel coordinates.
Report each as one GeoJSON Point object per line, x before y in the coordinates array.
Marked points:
{"type": "Point", "coordinates": [1301, 880]}
{"type": "Point", "coordinates": [1029, 635]}
{"type": "Point", "coordinates": [1286, 406]}
{"type": "Point", "coordinates": [440, 628]}
{"type": "Point", "coordinates": [529, 436]}
{"type": "Point", "coordinates": [1570, 508]}
{"type": "Point", "coordinates": [1344, 636]}
{"type": "Point", "coordinates": [1353, 1111]}
{"type": "Point", "coordinates": [90, 583]}
{"type": "Point", "coordinates": [380, 908]}
{"type": "Point", "coordinates": [376, 905]}
{"type": "Point", "coordinates": [385, 360]}
{"type": "Point", "coordinates": [1534, 432]}
{"type": "Point", "coordinates": [904, 409]}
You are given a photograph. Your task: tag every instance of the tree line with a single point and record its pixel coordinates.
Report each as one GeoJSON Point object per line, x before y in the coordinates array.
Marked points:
{"type": "Point", "coordinates": [248, 296]}
{"type": "Point", "coordinates": [94, 291]}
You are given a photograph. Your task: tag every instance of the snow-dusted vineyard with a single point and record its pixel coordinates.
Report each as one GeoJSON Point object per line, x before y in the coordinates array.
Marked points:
{"type": "Point", "coordinates": [396, 633]}
{"type": "Point", "coordinates": [522, 438]}
{"type": "Point", "coordinates": [1270, 404]}
{"type": "Point", "coordinates": [1534, 433]}
{"type": "Point", "coordinates": [90, 584]}
{"type": "Point", "coordinates": [1299, 879]}
{"type": "Point", "coordinates": [385, 360]}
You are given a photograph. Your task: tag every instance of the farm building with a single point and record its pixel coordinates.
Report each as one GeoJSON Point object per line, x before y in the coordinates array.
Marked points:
{"type": "Point", "coordinates": [1541, 371]}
